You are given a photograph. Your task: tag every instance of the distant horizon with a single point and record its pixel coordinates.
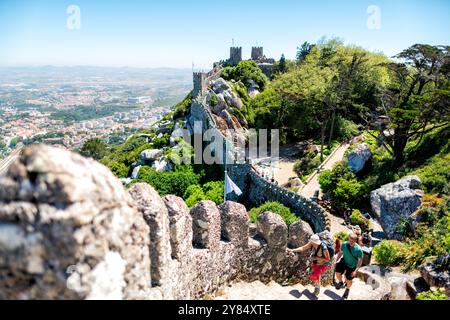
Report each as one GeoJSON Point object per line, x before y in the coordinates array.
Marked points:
{"type": "Point", "coordinates": [178, 34]}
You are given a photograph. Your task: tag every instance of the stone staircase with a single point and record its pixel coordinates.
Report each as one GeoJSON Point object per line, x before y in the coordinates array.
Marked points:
{"type": "Point", "coordinates": [273, 291]}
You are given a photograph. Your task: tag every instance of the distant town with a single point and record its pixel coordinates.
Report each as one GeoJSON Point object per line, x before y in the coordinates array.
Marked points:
{"type": "Point", "coordinates": [67, 106]}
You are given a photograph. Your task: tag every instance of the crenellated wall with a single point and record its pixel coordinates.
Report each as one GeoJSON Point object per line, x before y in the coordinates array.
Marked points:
{"type": "Point", "coordinates": [196, 252]}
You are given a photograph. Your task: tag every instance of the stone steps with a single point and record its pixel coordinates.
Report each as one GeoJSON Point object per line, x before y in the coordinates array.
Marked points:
{"type": "Point", "coordinates": [273, 291]}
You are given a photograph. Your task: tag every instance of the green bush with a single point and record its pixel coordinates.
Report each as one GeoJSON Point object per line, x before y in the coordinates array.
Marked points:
{"type": "Point", "coordinates": [245, 71]}
{"type": "Point", "coordinates": [388, 253]}
{"type": "Point", "coordinates": [342, 235]}
{"type": "Point", "coordinates": [438, 294]}
{"type": "Point", "coordinates": [274, 207]}
{"type": "Point", "coordinates": [357, 219]}
{"type": "Point", "coordinates": [214, 191]}
{"type": "Point", "coordinates": [348, 193]}
{"type": "Point", "coordinates": [306, 165]}
{"type": "Point", "coordinates": [430, 241]}
{"type": "Point", "coordinates": [193, 195]}
{"type": "Point", "coordinates": [119, 169]}
{"type": "Point", "coordinates": [403, 227]}
{"type": "Point", "coordinates": [165, 183]}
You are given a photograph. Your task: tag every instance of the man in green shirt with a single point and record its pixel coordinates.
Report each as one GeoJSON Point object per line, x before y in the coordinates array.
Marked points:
{"type": "Point", "coordinates": [351, 254]}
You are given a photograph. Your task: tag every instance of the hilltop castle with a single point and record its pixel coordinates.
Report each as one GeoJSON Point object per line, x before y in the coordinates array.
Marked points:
{"type": "Point", "coordinates": [202, 79]}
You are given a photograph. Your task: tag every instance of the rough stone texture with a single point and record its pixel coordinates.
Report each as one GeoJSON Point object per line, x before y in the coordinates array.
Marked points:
{"type": "Point", "coordinates": [206, 222]}
{"type": "Point", "coordinates": [180, 227]}
{"type": "Point", "coordinates": [68, 230]}
{"type": "Point", "coordinates": [234, 218]}
{"type": "Point", "coordinates": [299, 234]}
{"type": "Point", "coordinates": [151, 155]}
{"type": "Point", "coordinates": [437, 273]}
{"type": "Point", "coordinates": [274, 229]}
{"type": "Point", "coordinates": [155, 214]}
{"type": "Point", "coordinates": [358, 157]}
{"type": "Point", "coordinates": [394, 201]}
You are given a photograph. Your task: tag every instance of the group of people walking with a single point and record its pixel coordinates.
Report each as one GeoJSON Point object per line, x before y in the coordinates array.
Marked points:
{"type": "Point", "coordinates": [345, 258]}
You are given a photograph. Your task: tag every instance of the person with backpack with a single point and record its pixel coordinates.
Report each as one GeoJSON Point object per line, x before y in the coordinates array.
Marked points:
{"type": "Point", "coordinates": [348, 262]}
{"type": "Point", "coordinates": [321, 259]}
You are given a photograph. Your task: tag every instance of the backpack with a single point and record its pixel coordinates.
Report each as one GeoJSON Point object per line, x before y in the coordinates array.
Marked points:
{"type": "Point", "coordinates": [327, 240]}
{"type": "Point", "coordinates": [365, 238]}
{"type": "Point", "coordinates": [329, 247]}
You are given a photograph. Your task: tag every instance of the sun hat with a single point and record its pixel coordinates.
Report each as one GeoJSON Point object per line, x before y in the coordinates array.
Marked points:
{"type": "Point", "coordinates": [315, 239]}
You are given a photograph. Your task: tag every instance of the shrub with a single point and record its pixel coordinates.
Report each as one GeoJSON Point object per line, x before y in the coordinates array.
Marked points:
{"type": "Point", "coordinates": [357, 218]}
{"type": "Point", "coordinates": [341, 235]}
{"type": "Point", "coordinates": [438, 294]}
{"type": "Point", "coordinates": [193, 195]}
{"type": "Point", "coordinates": [214, 191]}
{"type": "Point", "coordinates": [348, 193]}
{"type": "Point", "coordinates": [388, 253]}
{"type": "Point", "coordinates": [274, 207]}
{"type": "Point", "coordinates": [119, 169]}
{"type": "Point", "coordinates": [326, 181]}
{"type": "Point", "coordinates": [306, 165]}
{"type": "Point", "coordinates": [165, 183]}
{"type": "Point", "coordinates": [430, 241]}
{"type": "Point", "coordinates": [403, 227]}
{"type": "Point", "coordinates": [245, 71]}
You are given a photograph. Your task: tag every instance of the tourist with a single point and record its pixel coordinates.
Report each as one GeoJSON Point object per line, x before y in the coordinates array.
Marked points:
{"type": "Point", "coordinates": [321, 259]}
{"type": "Point", "coordinates": [348, 262]}
{"type": "Point", "coordinates": [367, 238]}
{"type": "Point", "coordinates": [357, 231]}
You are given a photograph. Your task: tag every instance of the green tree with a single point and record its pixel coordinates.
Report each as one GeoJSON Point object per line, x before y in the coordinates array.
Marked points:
{"type": "Point", "coordinates": [303, 51]}
{"type": "Point", "coordinates": [417, 99]}
{"type": "Point", "coordinates": [94, 148]}
{"type": "Point", "coordinates": [282, 64]}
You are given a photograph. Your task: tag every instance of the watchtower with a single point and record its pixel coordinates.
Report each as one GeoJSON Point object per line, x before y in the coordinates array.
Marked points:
{"type": "Point", "coordinates": [199, 84]}
{"type": "Point", "coordinates": [235, 55]}
{"type": "Point", "coordinates": [257, 53]}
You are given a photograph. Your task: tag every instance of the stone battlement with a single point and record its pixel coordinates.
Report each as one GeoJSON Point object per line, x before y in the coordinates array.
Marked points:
{"type": "Point", "coordinates": [68, 230]}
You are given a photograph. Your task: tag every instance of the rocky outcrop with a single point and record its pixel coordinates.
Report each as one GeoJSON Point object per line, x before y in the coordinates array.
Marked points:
{"type": "Point", "coordinates": [437, 273]}
{"type": "Point", "coordinates": [358, 157]}
{"type": "Point", "coordinates": [68, 230]}
{"type": "Point", "coordinates": [151, 155]}
{"type": "Point", "coordinates": [395, 201]}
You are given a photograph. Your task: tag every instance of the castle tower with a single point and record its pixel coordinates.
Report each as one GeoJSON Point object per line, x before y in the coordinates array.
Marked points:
{"type": "Point", "coordinates": [199, 84]}
{"type": "Point", "coordinates": [235, 55]}
{"type": "Point", "coordinates": [257, 53]}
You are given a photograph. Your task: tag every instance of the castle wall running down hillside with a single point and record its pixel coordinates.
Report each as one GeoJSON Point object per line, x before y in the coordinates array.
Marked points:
{"type": "Point", "coordinates": [68, 230]}
{"type": "Point", "coordinates": [256, 189]}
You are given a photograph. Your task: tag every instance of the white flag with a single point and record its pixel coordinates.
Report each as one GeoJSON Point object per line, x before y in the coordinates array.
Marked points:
{"type": "Point", "coordinates": [230, 186]}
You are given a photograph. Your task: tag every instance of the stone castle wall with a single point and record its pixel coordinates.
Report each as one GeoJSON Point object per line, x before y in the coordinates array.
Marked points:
{"type": "Point", "coordinates": [258, 190]}
{"type": "Point", "coordinates": [68, 230]}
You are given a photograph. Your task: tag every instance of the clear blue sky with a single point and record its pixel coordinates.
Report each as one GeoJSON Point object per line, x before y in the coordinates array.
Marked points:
{"type": "Point", "coordinates": [173, 33]}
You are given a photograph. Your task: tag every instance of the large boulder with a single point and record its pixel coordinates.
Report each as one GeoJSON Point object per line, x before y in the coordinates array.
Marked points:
{"type": "Point", "coordinates": [358, 157]}
{"type": "Point", "coordinates": [150, 155]}
{"type": "Point", "coordinates": [220, 85]}
{"type": "Point", "coordinates": [437, 273]}
{"type": "Point", "coordinates": [395, 201]}
{"type": "Point", "coordinates": [68, 230]}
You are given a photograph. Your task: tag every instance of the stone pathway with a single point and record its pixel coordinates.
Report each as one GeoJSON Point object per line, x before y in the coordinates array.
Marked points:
{"type": "Point", "coordinates": [273, 291]}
